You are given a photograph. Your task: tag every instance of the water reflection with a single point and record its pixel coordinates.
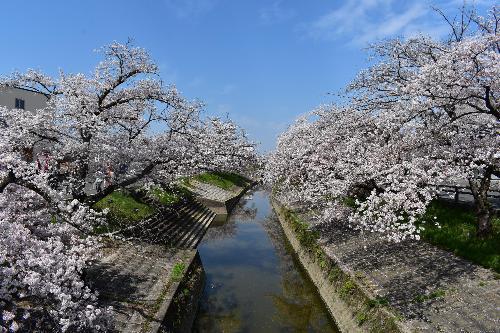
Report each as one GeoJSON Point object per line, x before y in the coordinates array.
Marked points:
{"type": "Point", "coordinates": [254, 283]}
{"type": "Point", "coordinates": [298, 304]}
{"type": "Point", "coordinates": [246, 211]}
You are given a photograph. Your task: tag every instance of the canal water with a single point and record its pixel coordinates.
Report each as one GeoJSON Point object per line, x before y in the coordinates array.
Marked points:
{"type": "Point", "coordinates": [253, 282]}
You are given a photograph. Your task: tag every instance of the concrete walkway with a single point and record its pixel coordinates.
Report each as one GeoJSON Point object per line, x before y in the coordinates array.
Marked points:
{"type": "Point", "coordinates": [432, 289]}
{"type": "Point", "coordinates": [136, 280]}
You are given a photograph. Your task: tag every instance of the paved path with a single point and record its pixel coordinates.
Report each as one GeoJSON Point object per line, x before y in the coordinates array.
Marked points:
{"type": "Point", "coordinates": [132, 278]}
{"type": "Point", "coordinates": [434, 290]}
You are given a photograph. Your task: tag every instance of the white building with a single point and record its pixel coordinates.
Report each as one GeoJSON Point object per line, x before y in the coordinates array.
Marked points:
{"type": "Point", "coordinates": [27, 100]}
{"type": "Point", "coordinates": [19, 98]}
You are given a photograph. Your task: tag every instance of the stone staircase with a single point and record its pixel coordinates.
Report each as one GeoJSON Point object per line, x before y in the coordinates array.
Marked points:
{"type": "Point", "coordinates": [218, 200]}
{"type": "Point", "coordinates": [181, 226]}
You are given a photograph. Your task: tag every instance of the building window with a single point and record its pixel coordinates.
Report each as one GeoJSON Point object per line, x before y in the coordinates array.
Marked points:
{"type": "Point", "coordinates": [19, 103]}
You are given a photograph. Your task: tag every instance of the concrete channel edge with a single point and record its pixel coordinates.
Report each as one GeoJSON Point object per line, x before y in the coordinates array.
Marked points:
{"type": "Point", "coordinates": [351, 307]}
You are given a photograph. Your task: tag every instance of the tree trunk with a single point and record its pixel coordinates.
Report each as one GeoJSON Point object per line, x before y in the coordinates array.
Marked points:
{"type": "Point", "coordinates": [484, 226]}
{"type": "Point", "coordinates": [479, 188]}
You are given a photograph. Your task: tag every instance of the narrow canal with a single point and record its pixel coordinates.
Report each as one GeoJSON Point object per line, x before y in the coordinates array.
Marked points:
{"type": "Point", "coordinates": [254, 283]}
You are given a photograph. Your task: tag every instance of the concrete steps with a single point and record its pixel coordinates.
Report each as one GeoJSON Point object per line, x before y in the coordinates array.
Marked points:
{"type": "Point", "coordinates": [182, 226]}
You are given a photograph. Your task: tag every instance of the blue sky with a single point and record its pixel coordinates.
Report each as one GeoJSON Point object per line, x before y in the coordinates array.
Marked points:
{"type": "Point", "coordinates": [263, 62]}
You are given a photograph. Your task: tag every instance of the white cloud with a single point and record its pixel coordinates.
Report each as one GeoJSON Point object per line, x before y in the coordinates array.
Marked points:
{"type": "Point", "coordinates": [347, 17]}
{"type": "Point", "coordinates": [276, 13]}
{"type": "Point", "coordinates": [364, 21]}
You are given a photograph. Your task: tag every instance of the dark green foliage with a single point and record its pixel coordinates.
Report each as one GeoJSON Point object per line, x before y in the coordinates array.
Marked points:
{"type": "Point", "coordinates": [435, 294]}
{"type": "Point", "coordinates": [349, 202]}
{"type": "Point", "coordinates": [378, 301]}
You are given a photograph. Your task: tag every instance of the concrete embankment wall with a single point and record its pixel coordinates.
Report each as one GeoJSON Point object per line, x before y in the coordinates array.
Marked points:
{"type": "Point", "coordinates": [352, 308]}
{"type": "Point", "coordinates": [223, 207]}
{"type": "Point", "coordinates": [179, 314]}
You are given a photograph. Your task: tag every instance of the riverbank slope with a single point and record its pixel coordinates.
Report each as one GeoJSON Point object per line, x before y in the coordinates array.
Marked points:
{"type": "Point", "coordinates": [370, 284]}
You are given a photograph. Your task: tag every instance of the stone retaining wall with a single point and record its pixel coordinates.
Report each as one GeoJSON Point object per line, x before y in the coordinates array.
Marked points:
{"type": "Point", "coordinates": [224, 204]}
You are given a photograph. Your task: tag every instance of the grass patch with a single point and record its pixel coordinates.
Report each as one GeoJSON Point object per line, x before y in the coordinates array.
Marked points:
{"type": "Point", "coordinates": [225, 180]}
{"type": "Point", "coordinates": [123, 209]}
{"type": "Point", "coordinates": [166, 198]}
{"type": "Point", "coordinates": [378, 301]}
{"type": "Point", "coordinates": [457, 233]}
{"type": "Point", "coordinates": [169, 196]}
{"type": "Point", "coordinates": [361, 317]}
{"type": "Point", "coordinates": [178, 271]}
{"type": "Point", "coordinates": [435, 294]}
{"type": "Point", "coordinates": [347, 288]}
{"type": "Point", "coordinates": [307, 237]}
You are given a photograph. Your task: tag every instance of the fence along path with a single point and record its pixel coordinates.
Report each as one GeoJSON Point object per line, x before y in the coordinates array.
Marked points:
{"type": "Point", "coordinates": [461, 193]}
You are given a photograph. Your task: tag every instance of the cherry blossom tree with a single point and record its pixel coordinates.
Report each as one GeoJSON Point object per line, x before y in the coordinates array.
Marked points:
{"type": "Point", "coordinates": [123, 123]}
{"type": "Point", "coordinates": [426, 113]}
{"type": "Point", "coordinates": [339, 153]}
{"type": "Point", "coordinates": [41, 271]}
{"type": "Point", "coordinates": [452, 89]}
